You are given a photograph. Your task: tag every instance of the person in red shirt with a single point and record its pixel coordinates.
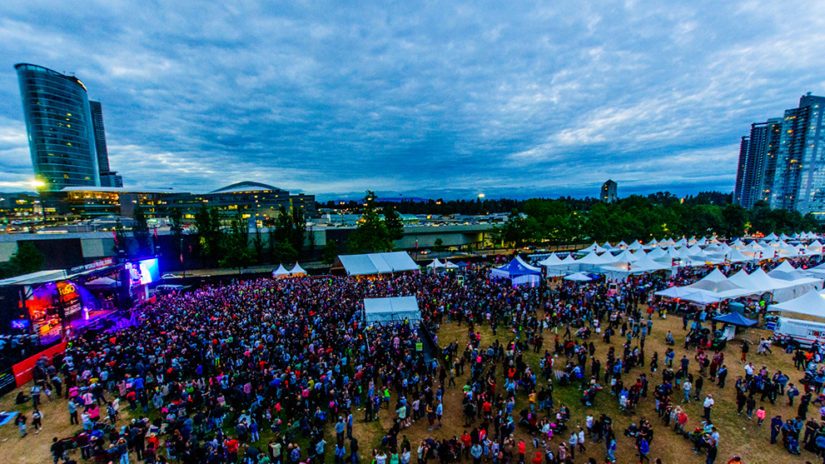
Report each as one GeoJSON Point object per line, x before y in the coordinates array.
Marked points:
{"type": "Point", "coordinates": [466, 441]}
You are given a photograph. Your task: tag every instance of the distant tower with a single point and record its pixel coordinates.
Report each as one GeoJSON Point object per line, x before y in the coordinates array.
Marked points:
{"type": "Point", "coordinates": [609, 191]}
{"type": "Point", "coordinates": [108, 178]}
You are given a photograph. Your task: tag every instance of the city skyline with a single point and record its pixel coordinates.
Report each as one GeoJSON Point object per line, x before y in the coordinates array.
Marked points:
{"type": "Point", "coordinates": [529, 101]}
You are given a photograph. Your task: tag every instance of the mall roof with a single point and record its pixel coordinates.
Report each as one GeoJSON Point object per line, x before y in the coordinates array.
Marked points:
{"type": "Point", "coordinates": [92, 188]}
{"type": "Point", "coordinates": [246, 186]}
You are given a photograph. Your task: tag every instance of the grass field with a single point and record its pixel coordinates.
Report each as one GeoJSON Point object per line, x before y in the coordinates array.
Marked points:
{"type": "Point", "coordinates": [738, 434]}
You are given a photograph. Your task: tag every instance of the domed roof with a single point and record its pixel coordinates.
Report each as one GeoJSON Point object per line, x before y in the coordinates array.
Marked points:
{"type": "Point", "coordinates": [245, 186]}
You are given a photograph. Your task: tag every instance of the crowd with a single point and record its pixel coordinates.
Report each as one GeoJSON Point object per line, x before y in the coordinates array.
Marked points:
{"type": "Point", "coordinates": [205, 373]}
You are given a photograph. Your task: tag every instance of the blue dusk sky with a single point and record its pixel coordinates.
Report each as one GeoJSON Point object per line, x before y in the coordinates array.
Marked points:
{"type": "Point", "coordinates": [421, 98]}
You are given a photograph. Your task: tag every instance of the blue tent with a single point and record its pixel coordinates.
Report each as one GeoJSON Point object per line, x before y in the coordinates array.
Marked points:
{"type": "Point", "coordinates": [516, 268]}
{"type": "Point", "coordinates": [518, 272]}
{"type": "Point", "coordinates": [735, 319]}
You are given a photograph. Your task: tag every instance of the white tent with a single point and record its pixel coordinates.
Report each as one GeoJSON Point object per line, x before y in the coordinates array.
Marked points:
{"type": "Point", "coordinates": [578, 277]}
{"type": "Point", "coordinates": [738, 243]}
{"type": "Point", "coordinates": [621, 245]}
{"type": "Point", "coordinates": [593, 248]}
{"type": "Point", "coordinates": [634, 246]}
{"type": "Point", "coordinates": [392, 309]}
{"type": "Point", "coordinates": [689, 294]}
{"type": "Point", "coordinates": [811, 304]}
{"type": "Point", "coordinates": [736, 256]}
{"type": "Point", "coordinates": [450, 265]}
{"type": "Point", "coordinates": [297, 270]}
{"type": "Point", "coordinates": [280, 272]}
{"type": "Point", "coordinates": [652, 243]}
{"type": "Point", "coordinates": [436, 264]}
{"type": "Point", "coordinates": [378, 263]}
{"type": "Point", "coordinates": [658, 253]}
{"type": "Point", "coordinates": [552, 260]}
{"type": "Point", "coordinates": [772, 236]}
{"type": "Point", "coordinates": [818, 271]}
{"type": "Point", "coordinates": [814, 248]}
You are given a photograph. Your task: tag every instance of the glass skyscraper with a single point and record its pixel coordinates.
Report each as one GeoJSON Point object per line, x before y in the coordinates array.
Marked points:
{"type": "Point", "coordinates": [60, 128]}
{"type": "Point", "coordinates": [783, 160]}
{"type": "Point", "coordinates": [799, 182]}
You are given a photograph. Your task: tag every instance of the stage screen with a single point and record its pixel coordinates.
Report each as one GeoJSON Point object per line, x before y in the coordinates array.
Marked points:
{"type": "Point", "coordinates": [149, 271]}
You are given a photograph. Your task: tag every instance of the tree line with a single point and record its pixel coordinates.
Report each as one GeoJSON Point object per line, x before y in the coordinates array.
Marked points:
{"type": "Point", "coordinates": [660, 215]}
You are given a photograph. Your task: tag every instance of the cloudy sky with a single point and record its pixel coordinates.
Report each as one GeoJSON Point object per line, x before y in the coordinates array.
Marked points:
{"type": "Point", "coordinates": [428, 98]}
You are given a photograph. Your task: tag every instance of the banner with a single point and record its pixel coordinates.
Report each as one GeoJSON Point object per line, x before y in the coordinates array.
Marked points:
{"type": "Point", "coordinates": [23, 371]}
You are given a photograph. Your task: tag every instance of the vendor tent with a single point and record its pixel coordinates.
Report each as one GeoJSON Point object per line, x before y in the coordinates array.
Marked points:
{"type": "Point", "coordinates": [578, 277]}
{"type": "Point", "coordinates": [280, 272]}
{"type": "Point", "coordinates": [811, 304]}
{"type": "Point", "coordinates": [735, 319]}
{"type": "Point", "coordinates": [518, 271]}
{"type": "Point", "coordinates": [392, 309]}
{"type": "Point", "coordinates": [449, 265]}
{"type": "Point", "coordinates": [552, 260]}
{"type": "Point", "coordinates": [594, 247]}
{"type": "Point", "coordinates": [297, 271]}
{"type": "Point", "coordinates": [436, 264]}
{"type": "Point", "coordinates": [689, 294]}
{"type": "Point", "coordinates": [378, 263]}
{"type": "Point", "coordinates": [634, 246]}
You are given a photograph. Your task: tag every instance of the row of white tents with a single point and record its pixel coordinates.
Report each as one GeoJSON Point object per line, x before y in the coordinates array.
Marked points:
{"type": "Point", "coordinates": [689, 242]}
{"type": "Point", "coordinates": [784, 283]}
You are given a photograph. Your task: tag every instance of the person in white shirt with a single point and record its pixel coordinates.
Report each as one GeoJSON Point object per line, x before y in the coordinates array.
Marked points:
{"type": "Point", "coordinates": [686, 387]}
{"type": "Point", "coordinates": [708, 404]}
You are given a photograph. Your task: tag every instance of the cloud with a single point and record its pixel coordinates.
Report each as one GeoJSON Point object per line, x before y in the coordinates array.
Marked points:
{"type": "Point", "coordinates": [442, 99]}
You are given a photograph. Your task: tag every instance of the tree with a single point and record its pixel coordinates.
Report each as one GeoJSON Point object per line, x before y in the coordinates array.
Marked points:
{"type": "Point", "coordinates": [141, 232]}
{"type": "Point", "coordinates": [393, 223]}
{"type": "Point", "coordinates": [210, 235]}
{"type": "Point", "coordinates": [25, 260]}
{"type": "Point", "coordinates": [371, 233]}
{"type": "Point", "coordinates": [258, 245]}
{"type": "Point", "coordinates": [120, 245]}
{"type": "Point", "coordinates": [298, 230]}
{"type": "Point", "coordinates": [330, 252]}
{"type": "Point", "coordinates": [176, 217]}
{"type": "Point", "coordinates": [235, 247]}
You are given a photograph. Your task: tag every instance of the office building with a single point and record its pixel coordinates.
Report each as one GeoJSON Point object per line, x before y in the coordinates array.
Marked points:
{"type": "Point", "coordinates": [108, 178]}
{"type": "Point", "coordinates": [60, 128]}
{"type": "Point", "coordinates": [608, 194]}
{"type": "Point", "coordinates": [757, 163]}
{"type": "Point", "coordinates": [799, 180]}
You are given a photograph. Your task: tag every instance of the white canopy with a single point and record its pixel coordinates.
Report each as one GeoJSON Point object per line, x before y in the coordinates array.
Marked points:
{"type": "Point", "coordinates": [594, 247]}
{"type": "Point", "coordinates": [811, 304]}
{"type": "Point", "coordinates": [578, 277]}
{"type": "Point", "coordinates": [634, 246]}
{"type": "Point", "coordinates": [378, 263]}
{"type": "Point", "coordinates": [280, 272]}
{"type": "Point", "coordinates": [736, 256]}
{"type": "Point", "coordinates": [297, 270]}
{"type": "Point", "coordinates": [436, 264]}
{"type": "Point", "coordinates": [689, 294]}
{"type": "Point", "coordinates": [392, 309]}
{"type": "Point", "coordinates": [551, 260]}
{"type": "Point", "coordinates": [450, 265]}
